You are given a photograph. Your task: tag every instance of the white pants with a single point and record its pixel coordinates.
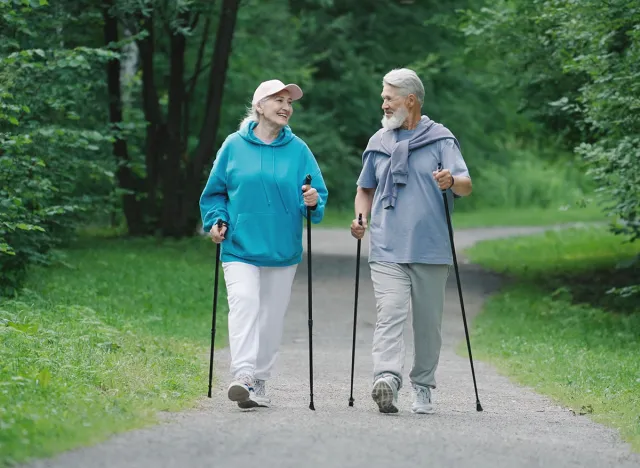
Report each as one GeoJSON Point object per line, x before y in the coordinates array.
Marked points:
{"type": "Point", "coordinates": [258, 300]}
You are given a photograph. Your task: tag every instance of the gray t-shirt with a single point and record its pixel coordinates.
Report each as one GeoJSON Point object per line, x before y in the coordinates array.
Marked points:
{"type": "Point", "coordinates": [415, 231]}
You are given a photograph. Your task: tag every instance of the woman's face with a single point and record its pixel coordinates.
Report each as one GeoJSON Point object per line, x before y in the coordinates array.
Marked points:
{"type": "Point", "coordinates": [277, 109]}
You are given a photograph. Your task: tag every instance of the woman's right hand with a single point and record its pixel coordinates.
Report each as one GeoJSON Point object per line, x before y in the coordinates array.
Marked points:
{"type": "Point", "coordinates": [217, 234]}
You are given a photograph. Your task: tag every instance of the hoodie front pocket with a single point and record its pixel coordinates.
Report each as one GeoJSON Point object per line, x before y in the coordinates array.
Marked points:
{"type": "Point", "coordinates": [263, 236]}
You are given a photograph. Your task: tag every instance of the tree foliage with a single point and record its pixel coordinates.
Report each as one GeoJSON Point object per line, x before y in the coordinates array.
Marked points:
{"type": "Point", "coordinates": [130, 99]}
{"type": "Point", "coordinates": [577, 68]}
{"type": "Point", "coordinates": [162, 196]}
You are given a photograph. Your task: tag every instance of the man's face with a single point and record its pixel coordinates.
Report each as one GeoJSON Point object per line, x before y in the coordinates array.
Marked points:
{"type": "Point", "coordinates": [394, 107]}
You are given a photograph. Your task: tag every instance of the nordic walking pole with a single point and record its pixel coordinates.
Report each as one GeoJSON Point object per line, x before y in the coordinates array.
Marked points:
{"type": "Point", "coordinates": [307, 181]}
{"type": "Point", "coordinates": [215, 309]}
{"type": "Point", "coordinates": [355, 311]}
{"type": "Point", "coordinates": [464, 316]}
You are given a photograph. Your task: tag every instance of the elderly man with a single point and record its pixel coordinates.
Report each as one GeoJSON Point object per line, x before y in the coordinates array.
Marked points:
{"type": "Point", "coordinates": [401, 186]}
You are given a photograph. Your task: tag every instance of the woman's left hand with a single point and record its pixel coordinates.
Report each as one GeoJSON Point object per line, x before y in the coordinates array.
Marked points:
{"type": "Point", "coordinates": [310, 195]}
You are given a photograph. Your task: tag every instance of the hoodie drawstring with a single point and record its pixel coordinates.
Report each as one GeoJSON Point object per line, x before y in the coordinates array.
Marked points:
{"type": "Point", "coordinates": [264, 187]}
{"type": "Point", "coordinates": [273, 162]}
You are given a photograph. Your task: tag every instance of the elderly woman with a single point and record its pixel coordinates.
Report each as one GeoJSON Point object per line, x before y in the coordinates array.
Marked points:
{"type": "Point", "coordinates": [256, 188]}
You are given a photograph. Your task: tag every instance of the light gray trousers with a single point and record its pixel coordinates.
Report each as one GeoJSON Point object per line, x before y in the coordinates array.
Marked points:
{"type": "Point", "coordinates": [400, 288]}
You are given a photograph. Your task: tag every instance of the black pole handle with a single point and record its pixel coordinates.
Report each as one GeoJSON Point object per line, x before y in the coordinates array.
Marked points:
{"type": "Point", "coordinates": [439, 169]}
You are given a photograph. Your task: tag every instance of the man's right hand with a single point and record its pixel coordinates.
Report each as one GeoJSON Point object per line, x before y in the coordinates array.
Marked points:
{"type": "Point", "coordinates": [357, 230]}
{"type": "Point", "coordinates": [217, 234]}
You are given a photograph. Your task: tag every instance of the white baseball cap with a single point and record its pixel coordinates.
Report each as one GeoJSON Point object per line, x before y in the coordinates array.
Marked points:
{"type": "Point", "coordinates": [267, 88]}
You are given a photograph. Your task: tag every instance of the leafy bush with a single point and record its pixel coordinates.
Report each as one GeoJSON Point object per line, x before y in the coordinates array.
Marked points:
{"type": "Point", "coordinates": [49, 145]}
{"type": "Point", "coordinates": [528, 179]}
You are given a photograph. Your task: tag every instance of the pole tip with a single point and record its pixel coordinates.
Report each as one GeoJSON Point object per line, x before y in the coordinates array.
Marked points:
{"type": "Point", "coordinates": [478, 406]}
{"type": "Point", "coordinates": [350, 401]}
{"type": "Point", "coordinates": [311, 407]}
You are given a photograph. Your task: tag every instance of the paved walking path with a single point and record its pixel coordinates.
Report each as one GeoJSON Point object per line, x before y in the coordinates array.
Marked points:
{"type": "Point", "coordinates": [518, 427]}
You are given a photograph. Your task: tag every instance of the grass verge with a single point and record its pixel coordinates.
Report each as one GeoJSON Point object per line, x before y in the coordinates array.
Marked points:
{"type": "Point", "coordinates": [103, 341]}
{"type": "Point", "coordinates": [487, 217]}
{"type": "Point", "coordinates": [555, 328]}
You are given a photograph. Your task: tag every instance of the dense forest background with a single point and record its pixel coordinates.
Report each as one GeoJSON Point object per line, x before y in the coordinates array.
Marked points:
{"type": "Point", "coordinates": [111, 112]}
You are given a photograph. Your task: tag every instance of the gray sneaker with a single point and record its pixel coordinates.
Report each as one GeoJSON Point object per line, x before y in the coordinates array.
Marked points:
{"type": "Point", "coordinates": [242, 392]}
{"type": "Point", "coordinates": [261, 393]}
{"type": "Point", "coordinates": [385, 394]}
{"type": "Point", "coordinates": [422, 402]}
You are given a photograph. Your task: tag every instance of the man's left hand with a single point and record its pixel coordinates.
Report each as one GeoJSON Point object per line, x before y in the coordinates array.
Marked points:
{"type": "Point", "coordinates": [444, 179]}
{"type": "Point", "coordinates": [310, 195]}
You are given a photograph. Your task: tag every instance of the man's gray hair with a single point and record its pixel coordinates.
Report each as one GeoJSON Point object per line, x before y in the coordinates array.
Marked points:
{"type": "Point", "coordinates": [406, 81]}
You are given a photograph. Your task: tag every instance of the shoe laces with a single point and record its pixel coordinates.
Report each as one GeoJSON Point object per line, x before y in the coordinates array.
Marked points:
{"type": "Point", "coordinates": [260, 387]}
{"type": "Point", "coordinates": [423, 395]}
{"type": "Point", "coordinates": [247, 380]}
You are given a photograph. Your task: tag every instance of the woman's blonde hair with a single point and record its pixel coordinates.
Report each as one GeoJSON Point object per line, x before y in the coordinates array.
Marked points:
{"type": "Point", "coordinates": [252, 114]}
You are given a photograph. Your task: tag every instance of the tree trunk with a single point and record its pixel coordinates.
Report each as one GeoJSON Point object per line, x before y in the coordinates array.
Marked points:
{"type": "Point", "coordinates": [156, 134]}
{"type": "Point", "coordinates": [126, 178]}
{"type": "Point", "coordinates": [172, 174]}
{"type": "Point", "coordinates": [205, 150]}
{"type": "Point", "coordinates": [172, 177]}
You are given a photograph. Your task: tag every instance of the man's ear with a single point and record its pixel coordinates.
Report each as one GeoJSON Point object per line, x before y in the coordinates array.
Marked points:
{"type": "Point", "coordinates": [412, 101]}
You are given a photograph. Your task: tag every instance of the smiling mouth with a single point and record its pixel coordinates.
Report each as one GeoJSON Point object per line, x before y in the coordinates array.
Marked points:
{"type": "Point", "coordinates": [283, 115]}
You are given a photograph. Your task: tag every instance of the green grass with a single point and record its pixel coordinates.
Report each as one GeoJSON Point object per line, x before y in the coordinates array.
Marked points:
{"type": "Point", "coordinates": [103, 342]}
{"type": "Point", "coordinates": [555, 329]}
{"type": "Point", "coordinates": [558, 251]}
{"type": "Point", "coordinates": [487, 217]}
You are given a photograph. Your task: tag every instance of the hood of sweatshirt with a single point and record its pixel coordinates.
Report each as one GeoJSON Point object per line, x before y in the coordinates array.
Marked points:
{"type": "Point", "coordinates": [284, 137]}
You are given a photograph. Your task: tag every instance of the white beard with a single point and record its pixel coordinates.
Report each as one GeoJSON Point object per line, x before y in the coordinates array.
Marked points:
{"type": "Point", "coordinates": [396, 120]}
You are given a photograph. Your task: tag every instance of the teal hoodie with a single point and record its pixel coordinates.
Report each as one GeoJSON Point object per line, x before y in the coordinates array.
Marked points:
{"type": "Point", "coordinates": [257, 189]}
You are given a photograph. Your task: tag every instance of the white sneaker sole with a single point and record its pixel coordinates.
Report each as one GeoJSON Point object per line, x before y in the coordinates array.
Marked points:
{"type": "Point", "coordinates": [382, 394]}
{"type": "Point", "coordinates": [423, 410]}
